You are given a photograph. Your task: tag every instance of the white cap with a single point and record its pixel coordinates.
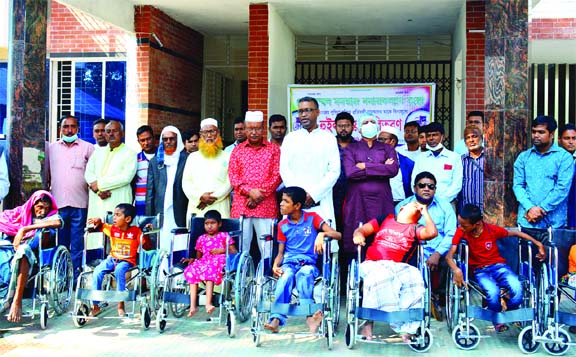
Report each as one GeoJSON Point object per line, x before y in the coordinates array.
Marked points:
{"type": "Point", "coordinates": [208, 121]}
{"type": "Point", "coordinates": [391, 130]}
{"type": "Point", "coordinates": [254, 117]}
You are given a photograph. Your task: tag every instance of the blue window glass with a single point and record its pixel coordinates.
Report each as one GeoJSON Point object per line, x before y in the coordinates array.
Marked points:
{"type": "Point", "coordinates": [3, 94]}
{"type": "Point", "coordinates": [115, 97]}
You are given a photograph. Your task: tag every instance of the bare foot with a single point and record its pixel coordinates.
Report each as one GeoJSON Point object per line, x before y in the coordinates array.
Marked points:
{"type": "Point", "coordinates": [15, 314]}
{"type": "Point", "coordinates": [210, 309]}
{"type": "Point", "coordinates": [121, 311]}
{"type": "Point", "coordinates": [95, 310]}
{"type": "Point", "coordinates": [314, 321]}
{"type": "Point", "coordinates": [193, 310]}
{"type": "Point", "coordinates": [367, 330]}
{"type": "Point", "coordinates": [273, 325]}
{"type": "Point", "coordinates": [407, 338]}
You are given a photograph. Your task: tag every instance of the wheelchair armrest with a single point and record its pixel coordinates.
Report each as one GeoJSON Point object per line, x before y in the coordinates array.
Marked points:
{"type": "Point", "coordinates": [237, 233]}
{"type": "Point", "coordinates": [180, 230]}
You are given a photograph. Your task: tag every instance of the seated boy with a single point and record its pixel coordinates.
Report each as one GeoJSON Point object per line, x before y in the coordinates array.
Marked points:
{"type": "Point", "coordinates": [300, 238]}
{"type": "Point", "coordinates": [484, 260]}
{"type": "Point", "coordinates": [124, 244]}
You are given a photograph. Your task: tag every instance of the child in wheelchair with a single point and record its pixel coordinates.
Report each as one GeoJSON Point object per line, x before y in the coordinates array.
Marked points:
{"type": "Point", "coordinates": [485, 261]}
{"type": "Point", "coordinates": [209, 262]}
{"type": "Point", "coordinates": [301, 239]}
{"type": "Point", "coordinates": [390, 284]}
{"type": "Point", "coordinates": [570, 277]}
{"type": "Point", "coordinates": [124, 242]}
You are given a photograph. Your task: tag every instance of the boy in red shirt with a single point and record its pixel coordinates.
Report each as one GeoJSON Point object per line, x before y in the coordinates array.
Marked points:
{"type": "Point", "coordinates": [124, 244]}
{"type": "Point", "coordinates": [484, 260]}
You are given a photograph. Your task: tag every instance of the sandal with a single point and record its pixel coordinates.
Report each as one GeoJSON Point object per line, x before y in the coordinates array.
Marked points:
{"type": "Point", "coordinates": [501, 327]}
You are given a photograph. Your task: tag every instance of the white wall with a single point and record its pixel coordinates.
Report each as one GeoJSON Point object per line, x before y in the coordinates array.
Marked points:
{"type": "Point", "coordinates": [117, 12]}
{"type": "Point", "coordinates": [281, 62]}
{"type": "Point", "coordinates": [552, 51]}
{"type": "Point", "coordinates": [458, 75]}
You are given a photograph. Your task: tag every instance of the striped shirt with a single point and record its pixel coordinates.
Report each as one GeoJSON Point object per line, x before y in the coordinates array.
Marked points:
{"type": "Point", "coordinates": [141, 178]}
{"type": "Point", "coordinates": [472, 181]}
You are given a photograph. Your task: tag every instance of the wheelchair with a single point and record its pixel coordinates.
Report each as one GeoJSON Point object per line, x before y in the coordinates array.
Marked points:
{"type": "Point", "coordinates": [234, 297]}
{"type": "Point", "coordinates": [554, 312]}
{"type": "Point", "coordinates": [326, 293]}
{"type": "Point", "coordinates": [147, 269]}
{"type": "Point", "coordinates": [50, 283]}
{"type": "Point", "coordinates": [461, 311]}
{"type": "Point", "coordinates": [423, 339]}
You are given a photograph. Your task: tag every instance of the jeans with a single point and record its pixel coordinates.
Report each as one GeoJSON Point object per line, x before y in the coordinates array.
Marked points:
{"type": "Point", "coordinates": [119, 267]}
{"type": "Point", "coordinates": [301, 275]}
{"type": "Point", "coordinates": [494, 277]}
{"type": "Point", "coordinates": [71, 235]}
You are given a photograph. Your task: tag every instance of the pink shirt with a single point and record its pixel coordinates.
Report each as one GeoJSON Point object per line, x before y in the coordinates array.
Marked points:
{"type": "Point", "coordinates": [66, 167]}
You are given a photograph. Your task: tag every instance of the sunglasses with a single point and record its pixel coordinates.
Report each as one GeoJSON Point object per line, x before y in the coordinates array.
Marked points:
{"type": "Point", "coordinates": [430, 185]}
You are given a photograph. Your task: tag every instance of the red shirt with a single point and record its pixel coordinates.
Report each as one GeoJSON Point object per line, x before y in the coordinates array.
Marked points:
{"type": "Point", "coordinates": [394, 241]}
{"type": "Point", "coordinates": [124, 244]}
{"type": "Point", "coordinates": [254, 167]}
{"type": "Point", "coordinates": [483, 250]}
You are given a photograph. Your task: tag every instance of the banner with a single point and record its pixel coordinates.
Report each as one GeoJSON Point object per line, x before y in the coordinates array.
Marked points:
{"type": "Point", "coordinates": [392, 104]}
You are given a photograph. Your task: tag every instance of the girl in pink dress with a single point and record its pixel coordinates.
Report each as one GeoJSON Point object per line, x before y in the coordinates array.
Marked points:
{"type": "Point", "coordinates": [209, 262]}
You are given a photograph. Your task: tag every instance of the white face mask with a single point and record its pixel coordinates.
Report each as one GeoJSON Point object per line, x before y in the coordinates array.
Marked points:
{"type": "Point", "coordinates": [369, 130]}
{"type": "Point", "coordinates": [436, 148]}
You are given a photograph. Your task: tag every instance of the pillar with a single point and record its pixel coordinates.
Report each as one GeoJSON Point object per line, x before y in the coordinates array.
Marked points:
{"type": "Point", "coordinates": [258, 58]}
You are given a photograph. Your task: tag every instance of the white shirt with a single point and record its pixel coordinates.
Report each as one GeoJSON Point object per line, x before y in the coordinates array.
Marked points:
{"type": "Point", "coordinates": [397, 185]}
{"type": "Point", "coordinates": [311, 160]}
{"type": "Point", "coordinates": [412, 155]}
{"type": "Point", "coordinates": [446, 168]}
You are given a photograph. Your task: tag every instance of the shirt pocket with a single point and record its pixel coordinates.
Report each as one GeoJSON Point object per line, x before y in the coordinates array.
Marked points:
{"type": "Point", "coordinates": [79, 163]}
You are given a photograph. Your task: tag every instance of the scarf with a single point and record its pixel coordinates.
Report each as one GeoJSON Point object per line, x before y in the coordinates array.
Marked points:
{"type": "Point", "coordinates": [12, 220]}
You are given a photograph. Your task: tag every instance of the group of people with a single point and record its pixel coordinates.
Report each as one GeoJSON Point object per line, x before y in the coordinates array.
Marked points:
{"type": "Point", "coordinates": [346, 182]}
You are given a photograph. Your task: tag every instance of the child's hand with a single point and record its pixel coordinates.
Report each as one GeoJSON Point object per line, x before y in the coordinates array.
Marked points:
{"type": "Point", "coordinates": [459, 278]}
{"type": "Point", "coordinates": [359, 239]}
{"type": "Point", "coordinates": [541, 255]}
{"type": "Point", "coordinates": [187, 260]}
{"type": "Point", "coordinates": [217, 251]}
{"type": "Point", "coordinates": [319, 243]}
{"type": "Point", "coordinates": [277, 271]}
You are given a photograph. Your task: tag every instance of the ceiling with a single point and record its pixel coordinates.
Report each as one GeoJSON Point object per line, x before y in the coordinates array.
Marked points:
{"type": "Point", "coordinates": [319, 17]}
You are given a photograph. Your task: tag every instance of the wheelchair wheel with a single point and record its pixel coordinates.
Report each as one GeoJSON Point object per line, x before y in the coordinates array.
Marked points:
{"type": "Point", "coordinates": [561, 346]}
{"type": "Point", "coordinates": [231, 324]}
{"type": "Point", "coordinates": [159, 261]}
{"type": "Point", "coordinates": [452, 302]}
{"type": "Point", "coordinates": [543, 301]}
{"type": "Point", "coordinates": [161, 319]}
{"type": "Point", "coordinates": [425, 341]}
{"type": "Point", "coordinates": [350, 335]}
{"type": "Point", "coordinates": [526, 341]}
{"type": "Point", "coordinates": [145, 317]}
{"type": "Point", "coordinates": [243, 297]}
{"type": "Point", "coordinates": [466, 339]}
{"type": "Point", "coordinates": [335, 293]}
{"type": "Point", "coordinates": [178, 285]}
{"type": "Point", "coordinates": [330, 334]}
{"type": "Point", "coordinates": [61, 280]}
{"type": "Point", "coordinates": [44, 316]}
{"type": "Point", "coordinates": [351, 291]}
{"type": "Point", "coordinates": [82, 310]}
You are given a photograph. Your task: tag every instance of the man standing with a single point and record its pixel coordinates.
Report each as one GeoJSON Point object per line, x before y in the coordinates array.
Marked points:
{"type": "Point", "coordinates": [472, 170]}
{"type": "Point", "coordinates": [191, 139]}
{"type": "Point", "coordinates": [277, 127]}
{"type": "Point", "coordinates": [145, 136]}
{"type": "Point", "coordinates": [344, 127]}
{"type": "Point", "coordinates": [254, 175]}
{"type": "Point", "coordinates": [400, 184]}
{"type": "Point", "coordinates": [444, 164]}
{"type": "Point", "coordinates": [412, 147]}
{"type": "Point", "coordinates": [474, 118]}
{"type": "Point", "coordinates": [66, 164]}
{"type": "Point", "coordinates": [99, 132]}
{"type": "Point", "coordinates": [205, 179]}
{"type": "Point", "coordinates": [542, 178]}
{"type": "Point", "coordinates": [164, 193]}
{"type": "Point", "coordinates": [369, 166]}
{"type": "Point", "coordinates": [109, 173]}
{"type": "Point", "coordinates": [567, 139]}
{"type": "Point", "coordinates": [239, 134]}
{"type": "Point", "coordinates": [310, 160]}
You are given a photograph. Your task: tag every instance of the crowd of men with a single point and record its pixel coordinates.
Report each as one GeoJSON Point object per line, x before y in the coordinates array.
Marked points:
{"type": "Point", "coordinates": [347, 181]}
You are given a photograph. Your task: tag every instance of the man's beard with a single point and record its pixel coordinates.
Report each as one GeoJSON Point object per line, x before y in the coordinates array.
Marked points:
{"type": "Point", "coordinates": [344, 138]}
{"type": "Point", "coordinates": [210, 150]}
{"type": "Point", "coordinates": [424, 201]}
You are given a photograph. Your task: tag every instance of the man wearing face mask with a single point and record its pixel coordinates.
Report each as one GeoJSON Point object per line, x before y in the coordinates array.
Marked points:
{"type": "Point", "coordinates": [369, 165]}
{"type": "Point", "coordinates": [66, 162]}
{"type": "Point", "coordinates": [444, 164]}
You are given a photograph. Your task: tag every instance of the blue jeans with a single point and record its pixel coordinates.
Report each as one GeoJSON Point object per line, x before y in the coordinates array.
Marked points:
{"type": "Point", "coordinates": [71, 235]}
{"type": "Point", "coordinates": [119, 267]}
{"type": "Point", "coordinates": [494, 277]}
{"type": "Point", "coordinates": [295, 274]}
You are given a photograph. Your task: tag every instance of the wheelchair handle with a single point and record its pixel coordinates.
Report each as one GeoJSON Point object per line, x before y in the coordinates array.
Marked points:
{"type": "Point", "coordinates": [266, 237]}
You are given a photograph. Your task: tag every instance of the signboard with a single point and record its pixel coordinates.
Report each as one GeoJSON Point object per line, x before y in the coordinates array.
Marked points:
{"type": "Point", "coordinates": [392, 104]}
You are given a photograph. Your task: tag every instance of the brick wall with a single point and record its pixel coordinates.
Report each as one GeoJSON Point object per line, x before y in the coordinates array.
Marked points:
{"type": "Point", "coordinates": [553, 29]}
{"type": "Point", "coordinates": [258, 58]}
{"type": "Point", "coordinates": [169, 71]}
{"type": "Point", "coordinates": [74, 31]}
{"type": "Point", "coordinates": [475, 47]}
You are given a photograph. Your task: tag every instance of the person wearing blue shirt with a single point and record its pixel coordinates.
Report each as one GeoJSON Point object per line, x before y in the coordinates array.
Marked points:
{"type": "Point", "coordinates": [567, 139]}
{"type": "Point", "coordinates": [542, 178]}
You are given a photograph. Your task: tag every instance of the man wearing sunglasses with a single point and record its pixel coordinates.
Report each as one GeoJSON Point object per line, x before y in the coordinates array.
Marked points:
{"type": "Point", "coordinates": [444, 218]}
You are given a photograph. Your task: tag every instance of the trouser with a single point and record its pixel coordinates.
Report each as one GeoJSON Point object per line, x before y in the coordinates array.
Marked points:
{"type": "Point", "coordinates": [262, 226]}
{"type": "Point", "coordinates": [494, 277]}
{"type": "Point", "coordinates": [119, 267]}
{"type": "Point", "coordinates": [71, 235]}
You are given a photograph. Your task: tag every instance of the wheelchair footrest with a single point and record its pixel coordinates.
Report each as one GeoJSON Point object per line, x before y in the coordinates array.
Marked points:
{"type": "Point", "coordinates": [289, 309]}
{"type": "Point", "coordinates": [390, 316]}
{"type": "Point", "coordinates": [177, 298]}
{"type": "Point", "coordinates": [526, 314]}
{"type": "Point", "coordinates": [99, 295]}
{"type": "Point", "coordinates": [566, 318]}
